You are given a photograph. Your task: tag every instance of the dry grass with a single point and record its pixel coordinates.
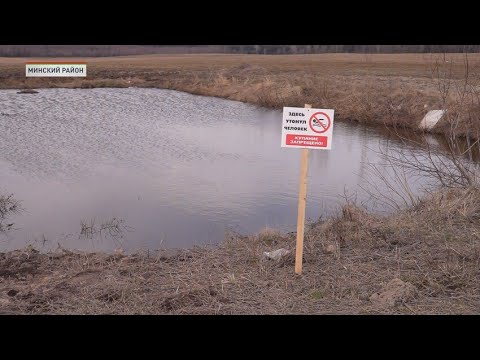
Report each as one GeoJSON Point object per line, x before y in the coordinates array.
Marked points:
{"type": "Point", "coordinates": [396, 90]}
{"type": "Point", "coordinates": [350, 263]}
{"type": "Point", "coordinates": [8, 207]}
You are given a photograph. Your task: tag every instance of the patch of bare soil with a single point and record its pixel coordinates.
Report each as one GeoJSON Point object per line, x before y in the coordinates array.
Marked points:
{"type": "Point", "coordinates": [396, 292]}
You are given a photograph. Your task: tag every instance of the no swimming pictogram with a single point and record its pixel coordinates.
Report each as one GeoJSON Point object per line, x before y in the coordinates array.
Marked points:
{"type": "Point", "coordinates": [319, 122]}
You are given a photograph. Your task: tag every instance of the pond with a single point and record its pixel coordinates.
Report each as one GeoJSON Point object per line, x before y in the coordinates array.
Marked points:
{"type": "Point", "coordinates": [169, 168]}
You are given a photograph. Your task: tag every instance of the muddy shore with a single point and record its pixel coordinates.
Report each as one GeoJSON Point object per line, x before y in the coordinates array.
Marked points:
{"type": "Point", "coordinates": [418, 261]}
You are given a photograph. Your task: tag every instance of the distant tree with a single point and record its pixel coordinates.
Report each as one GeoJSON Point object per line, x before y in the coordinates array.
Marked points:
{"type": "Point", "coordinates": [112, 50]}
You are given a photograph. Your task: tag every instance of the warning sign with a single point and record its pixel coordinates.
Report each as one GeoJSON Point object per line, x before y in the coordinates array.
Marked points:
{"type": "Point", "coordinates": [307, 128]}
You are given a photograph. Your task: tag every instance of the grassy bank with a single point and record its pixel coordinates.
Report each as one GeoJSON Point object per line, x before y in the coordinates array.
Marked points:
{"type": "Point", "coordinates": [423, 260]}
{"type": "Point", "coordinates": [396, 90]}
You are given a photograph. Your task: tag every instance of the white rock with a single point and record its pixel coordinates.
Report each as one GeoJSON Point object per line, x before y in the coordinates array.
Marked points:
{"type": "Point", "coordinates": [331, 248]}
{"type": "Point", "coordinates": [431, 119]}
{"type": "Point", "coordinates": [277, 254]}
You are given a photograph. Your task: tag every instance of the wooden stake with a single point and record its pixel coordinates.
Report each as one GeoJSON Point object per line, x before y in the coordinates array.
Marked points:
{"type": "Point", "coordinates": [302, 200]}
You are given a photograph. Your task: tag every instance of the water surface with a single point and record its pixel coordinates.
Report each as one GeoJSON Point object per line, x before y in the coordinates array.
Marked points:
{"type": "Point", "coordinates": [179, 169]}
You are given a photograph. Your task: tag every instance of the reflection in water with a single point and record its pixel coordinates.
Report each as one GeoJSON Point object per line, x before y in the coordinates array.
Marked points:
{"type": "Point", "coordinates": [180, 169]}
{"type": "Point", "coordinates": [467, 148]}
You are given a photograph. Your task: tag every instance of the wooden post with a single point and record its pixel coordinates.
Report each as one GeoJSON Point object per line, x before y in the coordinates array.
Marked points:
{"type": "Point", "coordinates": [302, 200]}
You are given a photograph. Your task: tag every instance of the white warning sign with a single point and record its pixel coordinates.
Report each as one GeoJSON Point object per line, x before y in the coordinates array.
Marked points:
{"type": "Point", "coordinates": [307, 128]}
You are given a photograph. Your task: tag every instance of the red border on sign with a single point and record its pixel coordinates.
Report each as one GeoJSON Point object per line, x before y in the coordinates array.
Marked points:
{"type": "Point", "coordinates": [325, 128]}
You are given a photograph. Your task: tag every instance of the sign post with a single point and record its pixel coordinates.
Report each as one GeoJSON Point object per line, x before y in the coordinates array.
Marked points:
{"type": "Point", "coordinates": [301, 128]}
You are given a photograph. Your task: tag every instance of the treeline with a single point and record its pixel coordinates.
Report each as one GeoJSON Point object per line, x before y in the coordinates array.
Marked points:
{"type": "Point", "coordinates": [102, 50]}
{"type": "Point", "coordinates": [367, 49]}
{"type": "Point", "coordinates": [118, 50]}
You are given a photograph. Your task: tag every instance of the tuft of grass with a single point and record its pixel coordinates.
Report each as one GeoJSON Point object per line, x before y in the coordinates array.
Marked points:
{"type": "Point", "coordinates": [8, 206]}
{"type": "Point", "coordinates": [114, 229]}
{"type": "Point", "coordinates": [269, 236]}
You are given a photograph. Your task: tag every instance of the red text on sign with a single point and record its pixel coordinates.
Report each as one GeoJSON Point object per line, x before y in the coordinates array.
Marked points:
{"type": "Point", "coordinates": [306, 140]}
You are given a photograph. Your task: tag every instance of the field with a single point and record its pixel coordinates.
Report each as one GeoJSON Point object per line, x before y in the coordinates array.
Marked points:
{"type": "Point", "coordinates": [396, 90]}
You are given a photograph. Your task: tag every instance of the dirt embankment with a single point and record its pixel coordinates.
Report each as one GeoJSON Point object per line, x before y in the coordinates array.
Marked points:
{"type": "Point", "coordinates": [424, 260]}
{"type": "Point", "coordinates": [396, 90]}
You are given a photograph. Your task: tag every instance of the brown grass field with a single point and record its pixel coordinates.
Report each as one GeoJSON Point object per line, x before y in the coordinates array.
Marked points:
{"type": "Point", "coordinates": [390, 89]}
